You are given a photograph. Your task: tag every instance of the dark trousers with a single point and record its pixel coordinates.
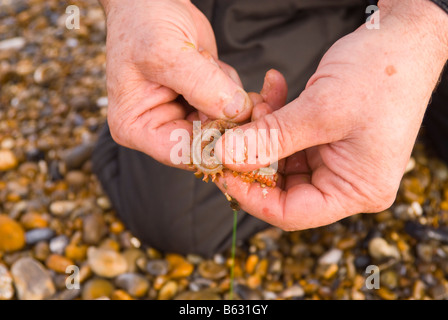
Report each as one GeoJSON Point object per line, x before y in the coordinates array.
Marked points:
{"type": "Point", "coordinates": [173, 211]}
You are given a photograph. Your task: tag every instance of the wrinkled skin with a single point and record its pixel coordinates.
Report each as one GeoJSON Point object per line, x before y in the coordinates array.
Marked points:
{"type": "Point", "coordinates": [345, 141]}
{"type": "Point", "coordinates": [157, 51]}
{"type": "Point", "coordinates": [348, 137]}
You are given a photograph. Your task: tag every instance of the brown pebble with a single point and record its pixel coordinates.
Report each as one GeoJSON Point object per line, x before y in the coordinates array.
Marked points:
{"type": "Point", "coordinates": [253, 281]}
{"type": "Point", "coordinates": [121, 295]}
{"type": "Point", "coordinates": [97, 288]}
{"type": "Point", "coordinates": [41, 250]}
{"type": "Point", "coordinates": [251, 262]}
{"type": "Point", "coordinates": [32, 220]}
{"type": "Point", "coordinates": [58, 263]}
{"type": "Point", "coordinates": [76, 252]}
{"type": "Point", "coordinates": [8, 160]}
{"type": "Point", "coordinates": [12, 235]}
{"type": "Point", "coordinates": [116, 227]}
{"type": "Point", "coordinates": [386, 294]}
{"type": "Point", "coordinates": [76, 178]}
{"type": "Point", "coordinates": [179, 267]}
{"type": "Point", "coordinates": [168, 290]}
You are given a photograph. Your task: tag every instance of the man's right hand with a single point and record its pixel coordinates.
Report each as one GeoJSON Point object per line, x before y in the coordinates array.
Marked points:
{"type": "Point", "coordinates": [156, 51]}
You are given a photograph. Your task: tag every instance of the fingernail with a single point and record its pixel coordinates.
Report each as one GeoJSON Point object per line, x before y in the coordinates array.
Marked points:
{"type": "Point", "coordinates": [237, 105]}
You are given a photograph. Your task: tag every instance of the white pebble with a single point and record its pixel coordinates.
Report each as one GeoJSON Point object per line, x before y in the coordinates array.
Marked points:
{"type": "Point", "coordinates": [12, 44]}
{"type": "Point", "coordinates": [332, 256]}
{"type": "Point", "coordinates": [71, 42]}
{"type": "Point", "coordinates": [379, 249]}
{"type": "Point", "coordinates": [416, 208]}
{"type": "Point", "coordinates": [7, 143]}
{"type": "Point", "coordinates": [102, 102]}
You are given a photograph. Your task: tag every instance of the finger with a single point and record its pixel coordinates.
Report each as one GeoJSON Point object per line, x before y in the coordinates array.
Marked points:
{"type": "Point", "coordinates": [260, 110]}
{"type": "Point", "coordinates": [275, 89]}
{"type": "Point", "coordinates": [256, 98]}
{"type": "Point", "coordinates": [200, 80]}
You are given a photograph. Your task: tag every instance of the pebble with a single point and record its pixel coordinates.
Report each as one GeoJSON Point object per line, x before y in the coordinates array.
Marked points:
{"type": "Point", "coordinates": [32, 280]}
{"type": "Point", "coordinates": [168, 291]}
{"type": "Point", "coordinates": [293, 292]}
{"type": "Point", "coordinates": [47, 73]}
{"type": "Point", "coordinates": [102, 102]}
{"type": "Point", "coordinates": [117, 227]}
{"type": "Point", "coordinates": [121, 295]}
{"type": "Point", "coordinates": [425, 252]}
{"type": "Point", "coordinates": [58, 244]}
{"type": "Point", "coordinates": [104, 203]}
{"type": "Point", "coordinates": [379, 249]}
{"type": "Point", "coordinates": [76, 252]}
{"type": "Point", "coordinates": [62, 207]}
{"type": "Point", "coordinates": [75, 157]}
{"type": "Point", "coordinates": [132, 255]}
{"type": "Point", "coordinates": [386, 294]}
{"type": "Point", "coordinates": [179, 267]}
{"type": "Point", "coordinates": [247, 293]}
{"type": "Point", "coordinates": [251, 262]}
{"type": "Point", "coordinates": [6, 284]}
{"type": "Point", "coordinates": [76, 178]}
{"type": "Point", "coordinates": [94, 228]}
{"type": "Point", "coordinates": [41, 250]}
{"type": "Point", "coordinates": [58, 263]}
{"type": "Point", "coordinates": [333, 256]}
{"type": "Point", "coordinates": [136, 285]}
{"type": "Point", "coordinates": [106, 263]}
{"type": "Point", "coordinates": [424, 232]}
{"type": "Point", "coordinates": [198, 295]}
{"type": "Point", "coordinates": [110, 244]}
{"type": "Point", "coordinates": [12, 235]}
{"type": "Point", "coordinates": [8, 160]}
{"type": "Point", "coordinates": [33, 220]}
{"type": "Point", "coordinates": [16, 43]}
{"type": "Point", "coordinates": [40, 234]}
{"type": "Point", "coordinates": [438, 292]}
{"type": "Point", "coordinates": [211, 270]}
{"type": "Point", "coordinates": [67, 294]}
{"type": "Point", "coordinates": [157, 267]}
{"type": "Point", "coordinates": [97, 288]}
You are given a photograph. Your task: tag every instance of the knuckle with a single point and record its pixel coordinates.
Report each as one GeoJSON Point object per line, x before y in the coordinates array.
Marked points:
{"type": "Point", "coordinates": [116, 129]}
{"type": "Point", "coordinates": [385, 201]}
{"type": "Point", "coordinates": [381, 199]}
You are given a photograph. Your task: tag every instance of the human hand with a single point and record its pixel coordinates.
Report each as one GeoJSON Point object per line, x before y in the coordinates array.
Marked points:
{"type": "Point", "coordinates": [158, 50]}
{"type": "Point", "coordinates": [349, 135]}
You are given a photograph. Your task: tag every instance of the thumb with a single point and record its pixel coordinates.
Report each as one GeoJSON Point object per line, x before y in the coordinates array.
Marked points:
{"type": "Point", "coordinates": [299, 125]}
{"type": "Point", "coordinates": [204, 84]}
